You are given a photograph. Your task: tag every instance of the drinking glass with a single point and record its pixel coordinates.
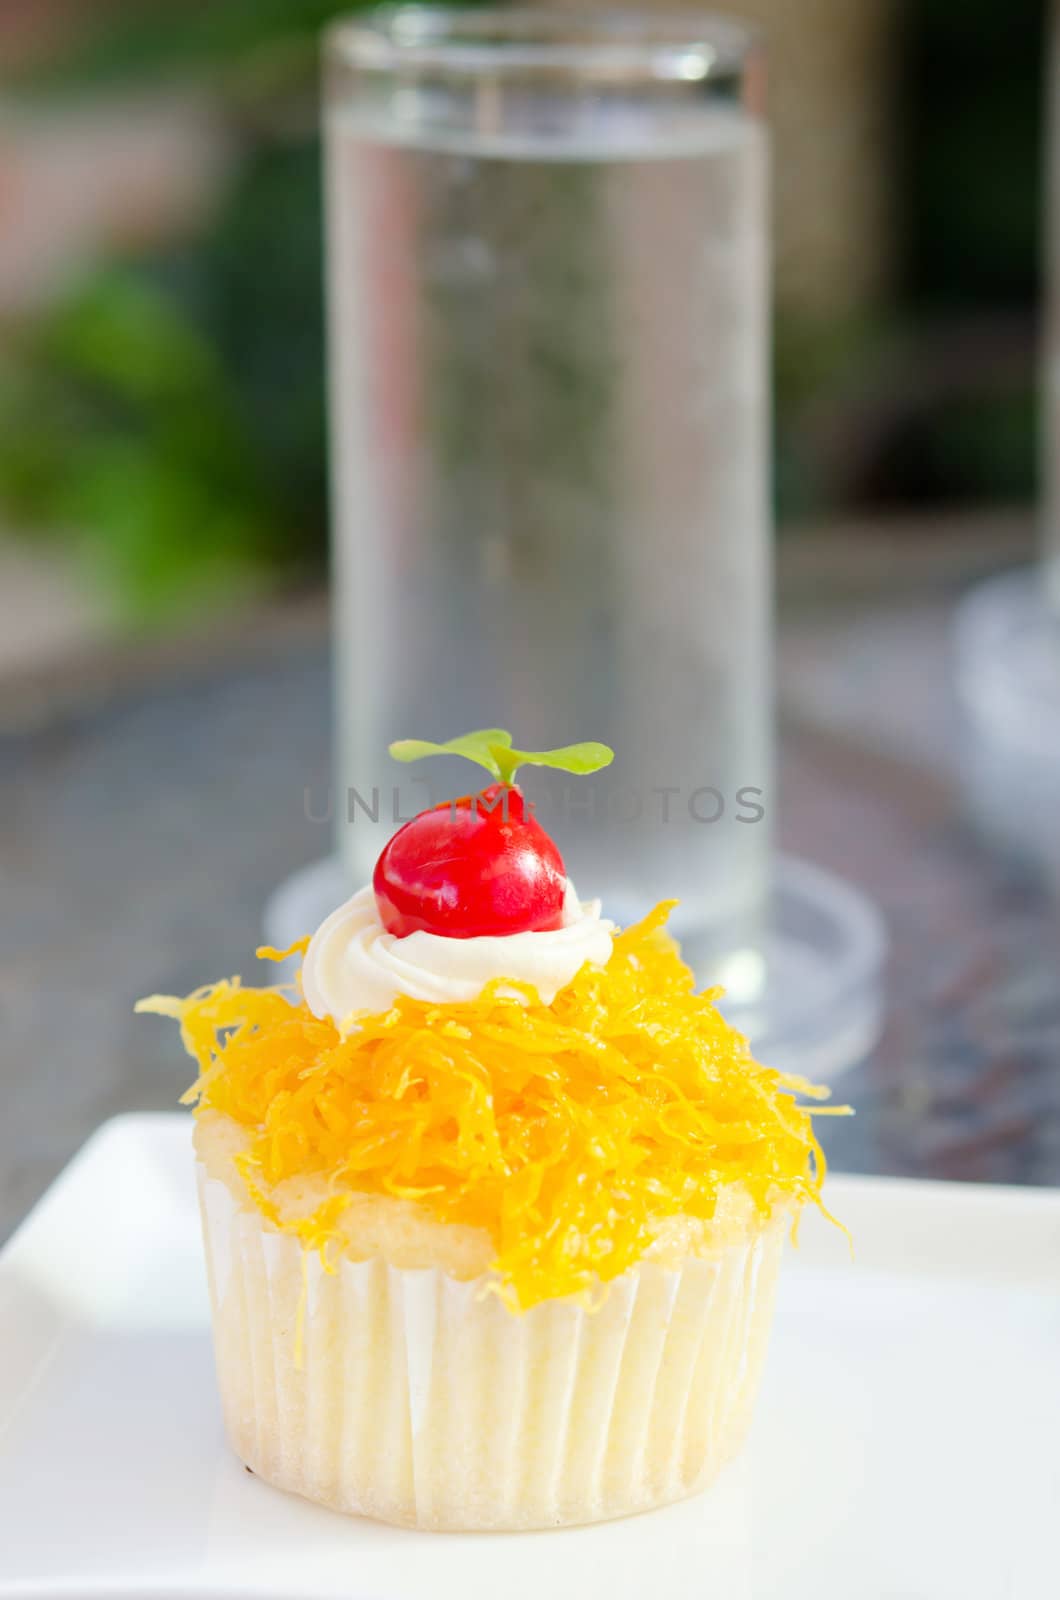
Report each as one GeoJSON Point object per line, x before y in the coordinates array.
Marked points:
{"type": "Point", "coordinates": [548, 340]}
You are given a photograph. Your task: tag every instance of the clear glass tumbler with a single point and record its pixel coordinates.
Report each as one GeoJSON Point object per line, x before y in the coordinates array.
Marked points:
{"type": "Point", "coordinates": [548, 291]}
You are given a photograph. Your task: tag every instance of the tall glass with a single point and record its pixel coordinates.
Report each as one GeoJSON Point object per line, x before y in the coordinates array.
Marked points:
{"type": "Point", "coordinates": [548, 290]}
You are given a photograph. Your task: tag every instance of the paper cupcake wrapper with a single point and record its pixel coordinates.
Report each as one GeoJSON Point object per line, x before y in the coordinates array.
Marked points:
{"type": "Point", "coordinates": [416, 1399]}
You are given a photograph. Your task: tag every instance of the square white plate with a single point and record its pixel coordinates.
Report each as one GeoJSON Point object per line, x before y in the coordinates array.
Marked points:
{"type": "Point", "coordinates": [907, 1442]}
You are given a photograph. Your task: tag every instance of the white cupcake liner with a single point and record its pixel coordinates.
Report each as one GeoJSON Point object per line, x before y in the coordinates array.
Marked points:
{"type": "Point", "coordinates": [416, 1399]}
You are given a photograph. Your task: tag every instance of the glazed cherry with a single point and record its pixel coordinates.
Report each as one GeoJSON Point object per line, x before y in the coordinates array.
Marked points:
{"type": "Point", "coordinates": [474, 866]}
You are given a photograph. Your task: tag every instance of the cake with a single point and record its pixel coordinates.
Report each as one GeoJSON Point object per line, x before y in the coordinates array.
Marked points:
{"type": "Point", "coordinates": [493, 1201]}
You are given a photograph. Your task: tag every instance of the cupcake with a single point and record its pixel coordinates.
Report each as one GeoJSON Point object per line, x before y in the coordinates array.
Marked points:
{"type": "Point", "coordinates": [493, 1201]}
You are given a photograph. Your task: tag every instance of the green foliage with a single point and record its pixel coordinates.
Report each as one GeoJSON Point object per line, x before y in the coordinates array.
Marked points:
{"type": "Point", "coordinates": [255, 287]}
{"type": "Point", "coordinates": [169, 411]}
{"type": "Point", "coordinates": [492, 748]}
{"type": "Point", "coordinates": [117, 420]}
{"type": "Point", "coordinates": [133, 43]}
{"type": "Point", "coordinates": [971, 86]}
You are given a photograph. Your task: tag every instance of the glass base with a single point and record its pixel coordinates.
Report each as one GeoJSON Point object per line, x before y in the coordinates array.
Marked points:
{"type": "Point", "coordinates": [819, 1009]}
{"type": "Point", "coordinates": [1007, 679]}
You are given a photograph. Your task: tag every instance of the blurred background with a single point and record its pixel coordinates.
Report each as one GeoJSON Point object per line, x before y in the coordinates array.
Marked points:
{"type": "Point", "coordinates": [163, 673]}
{"type": "Point", "coordinates": [161, 401]}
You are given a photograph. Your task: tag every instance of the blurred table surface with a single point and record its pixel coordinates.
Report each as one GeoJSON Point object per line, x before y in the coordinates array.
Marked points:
{"type": "Point", "coordinates": [152, 797]}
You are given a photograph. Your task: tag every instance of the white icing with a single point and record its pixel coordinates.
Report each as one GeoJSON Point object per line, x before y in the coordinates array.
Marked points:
{"type": "Point", "coordinates": [353, 964]}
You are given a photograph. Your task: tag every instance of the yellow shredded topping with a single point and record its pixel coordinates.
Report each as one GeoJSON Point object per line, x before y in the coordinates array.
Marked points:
{"type": "Point", "coordinates": [568, 1131]}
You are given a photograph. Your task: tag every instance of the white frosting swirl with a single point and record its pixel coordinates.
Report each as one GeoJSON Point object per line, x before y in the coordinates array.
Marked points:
{"type": "Point", "coordinates": [353, 964]}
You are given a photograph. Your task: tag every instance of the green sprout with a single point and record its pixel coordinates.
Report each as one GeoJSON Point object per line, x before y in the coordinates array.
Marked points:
{"type": "Point", "coordinates": [492, 748]}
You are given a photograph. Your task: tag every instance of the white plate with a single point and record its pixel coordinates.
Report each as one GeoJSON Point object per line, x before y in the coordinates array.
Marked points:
{"type": "Point", "coordinates": [905, 1444]}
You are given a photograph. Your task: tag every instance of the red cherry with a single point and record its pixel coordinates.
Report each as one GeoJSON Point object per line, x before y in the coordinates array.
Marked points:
{"type": "Point", "coordinates": [473, 866]}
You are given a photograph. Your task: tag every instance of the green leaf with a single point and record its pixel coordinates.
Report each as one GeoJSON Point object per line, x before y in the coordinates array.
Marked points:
{"type": "Point", "coordinates": [492, 748]}
{"type": "Point", "coordinates": [580, 758]}
{"type": "Point", "coordinates": [479, 747]}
